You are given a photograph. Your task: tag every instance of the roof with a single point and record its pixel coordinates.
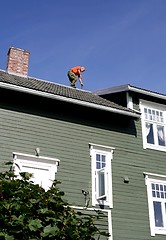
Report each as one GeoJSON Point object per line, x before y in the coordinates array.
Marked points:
{"type": "Point", "coordinates": [128, 87]}
{"type": "Point", "coordinates": [60, 92]}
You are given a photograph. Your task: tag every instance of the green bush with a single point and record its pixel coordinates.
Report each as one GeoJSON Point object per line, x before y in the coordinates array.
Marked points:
{"type": "Point", "coordinates": [28, 212]}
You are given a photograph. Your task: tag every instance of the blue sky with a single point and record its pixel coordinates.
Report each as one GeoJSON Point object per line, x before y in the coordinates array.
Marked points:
{"type": "Point", "coordinates": [118, 41]}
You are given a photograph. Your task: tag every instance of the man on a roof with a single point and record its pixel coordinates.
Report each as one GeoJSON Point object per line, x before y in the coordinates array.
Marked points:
{"type": "Point", "coordinates": [74, 74]}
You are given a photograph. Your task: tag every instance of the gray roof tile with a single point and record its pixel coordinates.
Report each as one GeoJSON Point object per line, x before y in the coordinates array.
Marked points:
{"type": "Point", "coordinates": [58, 90]}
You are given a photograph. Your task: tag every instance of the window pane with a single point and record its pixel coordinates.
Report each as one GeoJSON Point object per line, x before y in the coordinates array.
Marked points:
{"type": "Point", "coordinates": [161, 135]}
{"type": "Point", "coordinates": [103, 158]}
{"type": "Point", "coordinates": [161, 187]}
{"type": "Point", "coordinates": [153, 193]}
{"type": "Point", "coordinates": [149, 113]}
{"type": "Point", "coordinates": [158, 194]}
{"type": "Point", "coordinates": [161, 117]}
{"type": "Point", "coordinates": [98, 164]}
{"type": "Point", "coordinates": [158, 214]}
{"type": "Point", "coordinates": [157, 186]}
{"type": "Point", "coordinates": [153, 186]}
{"type": "Point", "coordinates": [145, 112]}
{"type": "Point", "coordinates": [101, 183]}
{"type": "Point", "coordinates": [149, 133]}
{"type": "Point", "coordinates": [97, 157]}
{"type": "Point", "coordinates": [103, 165]}
{"type": "Point", "coordinates": [162, 195]}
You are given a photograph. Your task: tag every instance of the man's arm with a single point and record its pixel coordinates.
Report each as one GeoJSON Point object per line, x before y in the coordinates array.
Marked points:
{"type": "Point", "coordinates": [80, 78]}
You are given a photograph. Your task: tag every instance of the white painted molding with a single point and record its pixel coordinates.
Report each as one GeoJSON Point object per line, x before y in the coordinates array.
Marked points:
{"type": "Point", "coordinates": [35, 158]}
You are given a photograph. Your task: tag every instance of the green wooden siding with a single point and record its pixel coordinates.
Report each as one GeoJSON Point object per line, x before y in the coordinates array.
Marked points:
{"type": "Point", "coordinates": [64, 131]}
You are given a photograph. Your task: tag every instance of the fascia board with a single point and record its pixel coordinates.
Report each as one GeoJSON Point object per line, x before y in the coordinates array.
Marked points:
{"type": "Point", "coordinates": [65, 99]}
{"type": "Point", "coordinates": [116, 89]}
{"type": "Point", "coordinates": [145, 92]}
{"type": "Point", "coordinates": [128, 87]}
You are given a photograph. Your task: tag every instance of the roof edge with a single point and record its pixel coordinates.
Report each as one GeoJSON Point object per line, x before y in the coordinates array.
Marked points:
{"type": "Point", "coordinates": [128, 87]}
{"type": "Point", "coordinates": [65, 99]}
{"type": "Point", "coordinates": [146, 92]}
{"type": "Point", "coordinates": [114, 89]}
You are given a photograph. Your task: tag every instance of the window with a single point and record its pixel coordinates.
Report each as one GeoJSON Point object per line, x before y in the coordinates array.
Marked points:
{"type": "Point", "coordinates": [156, 190]}
{"type": "Point", "coordinates": [101, 157]}
{"type": "Point", "coordinates": [153, 125]}
{"type": "Point", "coordinates": [43, 169]}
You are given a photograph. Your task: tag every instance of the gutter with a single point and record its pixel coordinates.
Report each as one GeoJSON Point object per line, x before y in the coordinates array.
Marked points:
{"type": "Point", "coordinates": [153, 94]}
{"type": "Point", "coordinates": [65, 99]}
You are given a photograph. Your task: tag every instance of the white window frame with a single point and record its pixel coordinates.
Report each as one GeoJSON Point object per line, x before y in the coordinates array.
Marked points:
{"type": "Point", "coordinates": [37, 165]}
{"type": "Point", "coordinates": [158, 107]}
{"type": "Point", "coordinates": [105, 199]}
{"type": "Point", "coordinates": [157, 179]}
{"type": "Point", "coordinates": [98, 173]}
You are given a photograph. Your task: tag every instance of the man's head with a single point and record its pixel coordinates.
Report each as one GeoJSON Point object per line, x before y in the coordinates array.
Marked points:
{"type": "Point", "coordinates": [82, 69]}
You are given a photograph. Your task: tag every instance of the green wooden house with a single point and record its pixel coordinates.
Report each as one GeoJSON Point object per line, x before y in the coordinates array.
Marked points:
{"type": "Point", "coordinates": [106, 153]}
{"type": "Point", "coordinates": [139, 210]}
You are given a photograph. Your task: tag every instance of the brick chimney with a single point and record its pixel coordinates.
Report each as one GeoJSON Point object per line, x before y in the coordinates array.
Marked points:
{"type": "Point", "coordinates": [17, 62]}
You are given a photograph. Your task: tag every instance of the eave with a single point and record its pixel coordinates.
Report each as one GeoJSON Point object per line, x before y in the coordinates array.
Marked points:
{"type": "Point", "coordinates": [127, 88]}
{"type": "Point", "coordinates": [69, 100]}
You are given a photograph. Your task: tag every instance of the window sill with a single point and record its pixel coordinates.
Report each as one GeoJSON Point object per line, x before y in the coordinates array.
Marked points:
{"type": "Point", "coordinates": [159, 231]}
{"type": "Point", "coordinates": [102, 203]}
{"type": "Point", "coordinates": [153, 147]}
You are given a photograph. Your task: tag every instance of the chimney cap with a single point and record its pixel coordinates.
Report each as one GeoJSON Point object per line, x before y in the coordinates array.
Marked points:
{"type": "Point", "coordinates": [18, 49]}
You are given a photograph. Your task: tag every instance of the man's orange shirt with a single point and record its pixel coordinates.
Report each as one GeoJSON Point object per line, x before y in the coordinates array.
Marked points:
{"type": "Point", "coordinates": [75, 70]}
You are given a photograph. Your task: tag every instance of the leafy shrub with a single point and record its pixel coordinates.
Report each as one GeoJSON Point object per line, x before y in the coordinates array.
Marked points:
{"type": "Point", "coordinates": [29, 212]}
